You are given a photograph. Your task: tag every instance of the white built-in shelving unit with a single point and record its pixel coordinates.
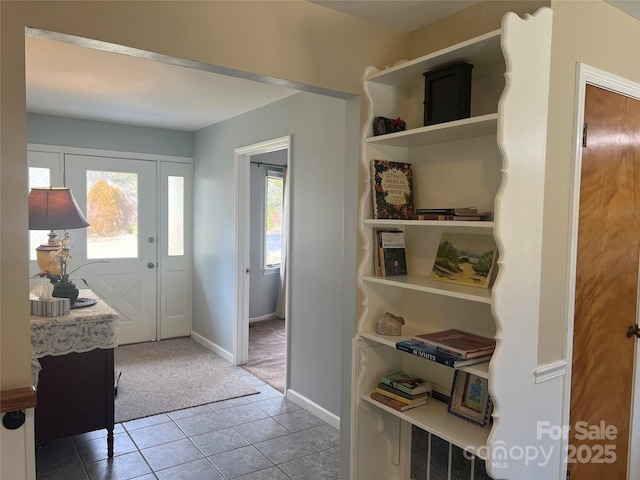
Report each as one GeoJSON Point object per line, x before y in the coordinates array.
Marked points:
{"type": "Point", "coordinates": [476, 161]}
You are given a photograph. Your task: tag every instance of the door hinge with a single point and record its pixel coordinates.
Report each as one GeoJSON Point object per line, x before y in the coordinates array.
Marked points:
{"type": "Point", "coordinates": [584, 136]}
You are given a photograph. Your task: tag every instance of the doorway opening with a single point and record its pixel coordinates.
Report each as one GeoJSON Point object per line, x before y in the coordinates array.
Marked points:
{"type": "Point", "coordinates": [604, 146]}
{"type": "Point", "coordinates": [262, 186]}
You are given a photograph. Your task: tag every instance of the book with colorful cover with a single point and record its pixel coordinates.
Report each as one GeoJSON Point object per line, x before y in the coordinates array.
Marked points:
{"type": "Point", "coordinates": [392, 189]}
{"type": "Point", "coordinates": [457, 343]}
{"type": "Point", "coordinates": [395, 404]}
{"type": "Point", "coordinates": [392, 256]}
{"type": "Point", "coordinates": [406, 383]}
{"type": "Point", "coordinates": [438, 356]}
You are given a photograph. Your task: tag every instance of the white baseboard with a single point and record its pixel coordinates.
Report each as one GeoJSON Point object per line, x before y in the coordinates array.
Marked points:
{"type": "Point", "coordinates": [262, 317]}
{"type": "Point", "coordinates": [228, 356]}
{"type": "Point", "coordinates": [314, 408]}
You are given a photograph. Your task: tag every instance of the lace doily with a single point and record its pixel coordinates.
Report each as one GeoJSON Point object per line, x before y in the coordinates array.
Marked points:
{"type": "Point", "coordinates": [80, 331]}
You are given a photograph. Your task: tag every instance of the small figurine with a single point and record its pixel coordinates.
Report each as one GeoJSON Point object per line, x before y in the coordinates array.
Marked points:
{"type": "Point", "coordinates": [389, 324]}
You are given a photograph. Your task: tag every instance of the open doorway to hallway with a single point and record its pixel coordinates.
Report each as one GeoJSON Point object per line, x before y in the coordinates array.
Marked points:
{"type": "Point", "coordinates": [262, 325]}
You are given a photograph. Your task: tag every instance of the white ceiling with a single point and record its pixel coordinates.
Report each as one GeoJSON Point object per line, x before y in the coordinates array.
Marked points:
{"type": "Point", "coordinates": [71, 78]}
{"type": "Point", "coordinates": [74, 81]}
{"type": "Point", "coordinates": [406, 15]}
{"type": "Point", "coordinates": [67, 78]}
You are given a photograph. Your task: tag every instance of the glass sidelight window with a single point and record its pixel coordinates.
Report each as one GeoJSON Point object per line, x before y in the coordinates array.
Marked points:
{"type": "Point", "coordinates": [175, 213]}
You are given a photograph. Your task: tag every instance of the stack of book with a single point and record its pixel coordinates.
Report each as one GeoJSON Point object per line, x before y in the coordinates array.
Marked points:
{"type": "Point", "coordinates": [401, 391]}
{"type": "Point", "coordinates": [453, 348]}
{"type": "Point", "coordinates": [462, 214]}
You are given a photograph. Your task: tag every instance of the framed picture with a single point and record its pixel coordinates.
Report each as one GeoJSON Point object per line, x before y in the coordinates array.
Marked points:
{"type": "Point", "coordinates": [470, 398]}
{"type": "Point", "coordinates": [465, 259]}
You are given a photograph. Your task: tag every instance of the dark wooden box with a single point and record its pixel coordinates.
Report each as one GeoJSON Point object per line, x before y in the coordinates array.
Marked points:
{"type": "Point", "coordinates": [447, 93]}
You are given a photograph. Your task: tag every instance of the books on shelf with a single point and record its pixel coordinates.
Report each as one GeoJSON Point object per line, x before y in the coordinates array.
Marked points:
{"type": "Point", "coordinates": [447, 211]}
{"type": "Point", "coordinates": [456, 343]}
{"type": "Point", "coordinates": [438, 356]}
{"type": "Point", "coordinates": [391, 392]}
{"type": "Point", "coordinates": [389, 254]}
{"type": "Point", "coordinates": [392, 189]}
{"type": "Point", "coordinates": [406, 383]}
{"type": "Point", "coordinates": [451, 214]}
{"type": "Point", "coordinates": [395, 404]}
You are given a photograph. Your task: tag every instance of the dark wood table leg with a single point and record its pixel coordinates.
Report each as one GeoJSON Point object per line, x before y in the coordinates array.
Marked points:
{"type": "Point", "coordinates": [110, 400]}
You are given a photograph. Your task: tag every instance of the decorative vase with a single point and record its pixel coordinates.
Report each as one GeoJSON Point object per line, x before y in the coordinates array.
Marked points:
{"type": "Point", "coordinates": [65, 290]}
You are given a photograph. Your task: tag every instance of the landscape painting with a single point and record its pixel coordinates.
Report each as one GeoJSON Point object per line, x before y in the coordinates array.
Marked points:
{"type": "Point", "coordinates": [465, 259]}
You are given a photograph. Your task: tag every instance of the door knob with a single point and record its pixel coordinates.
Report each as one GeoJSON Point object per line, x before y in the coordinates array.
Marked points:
{"type": "Point", "coordinates": [151, 265]}
{"type": "Point", "coordinates": [633, 330]}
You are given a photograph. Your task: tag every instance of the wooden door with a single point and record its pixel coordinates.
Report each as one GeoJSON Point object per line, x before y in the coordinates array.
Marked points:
{"type": "Point", "coordinates": [606, 288]}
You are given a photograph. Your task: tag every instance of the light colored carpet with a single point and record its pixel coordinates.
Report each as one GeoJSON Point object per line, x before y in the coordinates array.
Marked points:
{"type": "Point", "coordinates": [159, 377]}
{"type": "Point", "coordinates": [267, 345]}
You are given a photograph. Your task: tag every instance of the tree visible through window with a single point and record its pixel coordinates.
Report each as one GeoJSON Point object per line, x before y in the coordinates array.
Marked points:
{"type": "Point", "coordinates": [112, 211]}
{"type": "Point", "coordinates": [273, 220]}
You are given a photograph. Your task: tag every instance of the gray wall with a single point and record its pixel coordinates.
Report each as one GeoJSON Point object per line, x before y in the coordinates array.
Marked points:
{"type": "Point", "coordinates": [263, 288]}
{"type": "Point", "coordinates": [73, 132]}
{"type": "Point", "coordinates": [317, 125]}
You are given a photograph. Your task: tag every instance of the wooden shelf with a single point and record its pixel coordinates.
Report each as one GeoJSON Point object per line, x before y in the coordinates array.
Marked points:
{"type": "Point", "coordinates": [435, 418]}
{"type": "Point", "coordinates": [381, 223]}
{"type": "Point", "coordinates": [479, 369]}
{"type": "Point", "coordinates": [426, 284]}
{"type": "Point", "coordinates": [473, 127]}
{"type": "Point", "coordinates": [461, 162]}
{"type": "Point", "coordinates": [481, 51]}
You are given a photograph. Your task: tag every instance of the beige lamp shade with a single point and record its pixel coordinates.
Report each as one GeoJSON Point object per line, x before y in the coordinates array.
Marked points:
{"type": "Point", "coordinates": [53, 208]}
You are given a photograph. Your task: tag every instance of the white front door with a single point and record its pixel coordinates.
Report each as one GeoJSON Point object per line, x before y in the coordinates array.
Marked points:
{"type": "Point", "coordinates": [119, 198]}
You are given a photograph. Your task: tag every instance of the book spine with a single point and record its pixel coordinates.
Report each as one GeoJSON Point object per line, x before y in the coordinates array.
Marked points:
{"type": "Point", "coordinates": [399, 398]}
{"type": "Point", "coordinates": [435, 211]}
{"type": "Point", "coordinates": [428, 354]}
{"type": "Point", "coordinates": [397, 386]}
{"type": "Point", "coordinates": [376, 253]}
{"type": "Point", "coordinates": [403, 394]}
{"type": "Point", "coordinates": [437, 348]}
{"type": "Point", "coordinates": [389, 402]}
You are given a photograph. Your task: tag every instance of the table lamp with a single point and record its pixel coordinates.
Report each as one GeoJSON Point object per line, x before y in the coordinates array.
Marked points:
{"type": "Point", "coordinates": [54, 208]}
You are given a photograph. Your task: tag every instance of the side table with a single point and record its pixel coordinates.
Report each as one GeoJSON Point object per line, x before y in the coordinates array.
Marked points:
{"type": "Point", "coordinates": [72, 360]}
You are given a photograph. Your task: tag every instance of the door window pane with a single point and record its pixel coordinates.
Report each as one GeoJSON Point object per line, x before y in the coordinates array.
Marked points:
{"type": "Point", "coordinates": [112, 211]}
{"type": "Point", "coordinates": [176, 215]}
{"type": "Point", "coordinates": [273, 220]}
{"type": "Point", "coordinates": [38, 177]}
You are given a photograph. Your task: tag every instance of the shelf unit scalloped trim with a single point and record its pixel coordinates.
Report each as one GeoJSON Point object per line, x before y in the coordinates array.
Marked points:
{"type": "Point", "coordinates": [435, 418]}
{"type": "Point", "coordinates": [426, 284]}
